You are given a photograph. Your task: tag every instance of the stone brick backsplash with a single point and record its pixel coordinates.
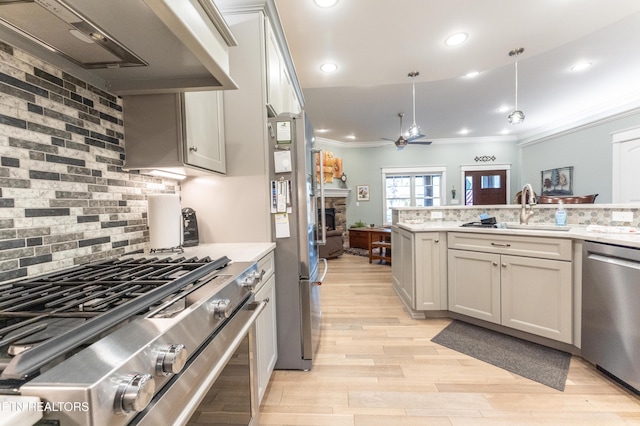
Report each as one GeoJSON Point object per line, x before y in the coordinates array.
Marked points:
{"type": "Point", "coordinates": [577, 214]}
{"type": "Point", "coordinates": [64, 198]}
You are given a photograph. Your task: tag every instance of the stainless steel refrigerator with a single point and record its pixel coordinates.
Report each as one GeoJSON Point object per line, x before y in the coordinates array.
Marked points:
{"type": "Point", "coordinates": [296, 196]}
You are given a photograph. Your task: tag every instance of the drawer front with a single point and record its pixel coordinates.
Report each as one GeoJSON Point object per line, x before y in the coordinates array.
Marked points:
{"type": "Point", "coordinates": [358, 239]}
{"type": "Point", "coordinates": [540, 247]}
{"type": "Point", "coordinates": [268, 265]}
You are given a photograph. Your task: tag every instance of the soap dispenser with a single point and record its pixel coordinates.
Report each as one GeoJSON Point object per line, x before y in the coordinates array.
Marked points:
{"type": "Point", "coordinates": [561, 215]}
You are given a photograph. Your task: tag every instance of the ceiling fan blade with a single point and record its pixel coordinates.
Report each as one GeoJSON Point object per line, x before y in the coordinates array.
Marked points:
{"type": "Point", "coordinates": [420, 142]}
{"type": "Point", "coordinates": [416, 137]}
{"type": "Point", "coordinates": [387, 139]}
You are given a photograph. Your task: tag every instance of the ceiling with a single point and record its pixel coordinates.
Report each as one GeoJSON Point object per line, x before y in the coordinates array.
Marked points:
{"type": "Point", "coordinates": [376, 43]}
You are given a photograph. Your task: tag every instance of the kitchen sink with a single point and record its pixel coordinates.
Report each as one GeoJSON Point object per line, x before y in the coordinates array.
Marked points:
{"type": "Point", "coordinates": [537, 226]}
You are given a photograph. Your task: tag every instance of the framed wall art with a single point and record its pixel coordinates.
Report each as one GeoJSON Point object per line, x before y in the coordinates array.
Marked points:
{"type": "Point", "coordinates": [557, 181]}
{"type": "Point", "coordinates": [362, 192]}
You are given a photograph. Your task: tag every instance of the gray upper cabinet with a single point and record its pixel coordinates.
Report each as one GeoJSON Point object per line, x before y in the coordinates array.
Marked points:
{"type": "Point", "coordinates": [281, 96]}
{"type": "Point", "coordinates": [175, 132]}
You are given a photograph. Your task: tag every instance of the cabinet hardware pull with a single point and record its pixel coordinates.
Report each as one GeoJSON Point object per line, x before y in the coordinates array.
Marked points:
{"type": "Point", "coordinates": [193, 148]}
{"type": "Point", "coordinates": [494, 263]}
{"type": "Point", "coordinates": [501, 244]}
{"type": "Point", "coordinates": [436, 241]}
{"type": "Point", "coordinates": [504, 265]}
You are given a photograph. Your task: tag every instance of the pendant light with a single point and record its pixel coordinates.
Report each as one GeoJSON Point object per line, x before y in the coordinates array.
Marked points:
{"type": "Point", "coordinates": [517, 116]}
{"type": "Point", "coordinates": [414, 130]}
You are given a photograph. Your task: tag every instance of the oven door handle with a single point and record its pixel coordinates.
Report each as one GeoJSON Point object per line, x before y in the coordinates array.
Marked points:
{"type": "Point", "coordinates": [159, 414]}
{"type": "Point", "coordinates": [257, 308]}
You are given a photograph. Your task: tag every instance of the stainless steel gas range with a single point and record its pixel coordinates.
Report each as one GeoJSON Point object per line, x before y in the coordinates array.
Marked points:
{"type": "Point", "coordinates": [131, 341]}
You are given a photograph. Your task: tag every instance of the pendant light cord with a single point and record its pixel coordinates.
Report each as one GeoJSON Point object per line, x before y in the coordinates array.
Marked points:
{"type": "Point", "coordinates": [516, 85]}
{"type": "Point", "coordinates": [414, 101]}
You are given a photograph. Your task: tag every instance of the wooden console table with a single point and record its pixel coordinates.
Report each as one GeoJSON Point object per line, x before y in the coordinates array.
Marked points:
{"type": "Point", "coordinates": [371, 239]}
{"type": "Point", "coordinates": [359, 238]}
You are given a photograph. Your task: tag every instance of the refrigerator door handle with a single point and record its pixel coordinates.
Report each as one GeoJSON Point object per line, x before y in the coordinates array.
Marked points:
{"type": "Point", "coordinates": [323, 219]}
{"type": "Point", "coordinates": [324, 273]}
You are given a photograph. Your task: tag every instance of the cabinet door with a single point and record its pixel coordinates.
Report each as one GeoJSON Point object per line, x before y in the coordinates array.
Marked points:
{"type": "Point", "coordinates": [274, 73]}
{"type": "Point", "coordinates": [474, 284]}
{"type": "Point", "coordinates": [536, 296]}
{"type": "Point", "coordinates": [428, 272]}
{"type": "Point", "coordinates": [396, 255]}
{"type": "Point", "coordinates": [266, 337]}
{"type": "Point", "coordinates": [406, 264]}
{"type": "Point", "coordinates": [204, 130]}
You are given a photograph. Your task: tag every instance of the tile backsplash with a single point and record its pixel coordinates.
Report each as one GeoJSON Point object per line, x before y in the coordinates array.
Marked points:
{"type": "Point", "coordinates": [577, 214]}
{"type": "Point", "coordinates": [64, 198]}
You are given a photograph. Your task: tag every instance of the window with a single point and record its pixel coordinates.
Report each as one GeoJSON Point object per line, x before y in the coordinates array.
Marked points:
{"type": "Point", "coordinates": [416, 187]}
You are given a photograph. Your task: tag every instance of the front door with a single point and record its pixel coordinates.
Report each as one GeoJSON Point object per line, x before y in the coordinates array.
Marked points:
{"type": "Point", "coordinates": [485, 187]}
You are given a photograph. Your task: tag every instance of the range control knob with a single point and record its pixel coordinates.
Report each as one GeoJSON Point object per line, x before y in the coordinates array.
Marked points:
{"type": "Point", "coordinates": [221, 308]}
{"type": "Point", "coordinates": [134, 393]}
{"type": "Point", "coordinates": [252, 279]}
{"type": "Point", "coordinates": [171, 359]}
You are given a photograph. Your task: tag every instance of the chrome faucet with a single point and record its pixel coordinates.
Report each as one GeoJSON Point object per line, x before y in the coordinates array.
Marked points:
{"type": "Point", "coordinates": [527, 200]}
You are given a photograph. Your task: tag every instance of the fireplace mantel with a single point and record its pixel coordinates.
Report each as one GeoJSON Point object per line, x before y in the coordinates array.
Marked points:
{"type": "Point", "coordinates": [336, 192]}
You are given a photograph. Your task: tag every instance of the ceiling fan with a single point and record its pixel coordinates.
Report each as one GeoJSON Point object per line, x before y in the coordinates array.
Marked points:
{"type": "Point", "coordinates": [401, 142]}
{"type": "Point", "coordinates": [414, 131]}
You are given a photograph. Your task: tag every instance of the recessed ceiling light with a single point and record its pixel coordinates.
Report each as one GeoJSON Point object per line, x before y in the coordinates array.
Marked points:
{"type": "Point", "coordinates": [505, 131]}
{"type": "Point", "coordinates": [326, 3]}
{"type": "Point", "coordinates": [351, 137]}
{"type": "Point", "coordinates": [322, 130]}
{"type": "Point", "coordinates": [581, 66]}
{"type": "Point", "coordinates": [472, 74]}
{"type": "Point", "coordinates": [504, 108]}
{"type": "Point", "coordinates": [464, 131]}
{"type": "Point", "coordinates": [456, 39]}
{"type": "Point", "coordinates": [329, 67]}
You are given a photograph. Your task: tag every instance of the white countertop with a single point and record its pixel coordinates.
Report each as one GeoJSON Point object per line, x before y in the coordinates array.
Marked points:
{"type": "Point", "coordinates": [237, 252]}
{"type": "Point", "coordinates": [576, 232]}
{"type": "Point", "coordinates": [517, 206]}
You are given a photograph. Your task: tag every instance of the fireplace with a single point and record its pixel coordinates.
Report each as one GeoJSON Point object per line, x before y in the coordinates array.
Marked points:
{"type": "Point", "coordinates": [336, 214]}
{"type": "Point", "coordinates": [330, 218]}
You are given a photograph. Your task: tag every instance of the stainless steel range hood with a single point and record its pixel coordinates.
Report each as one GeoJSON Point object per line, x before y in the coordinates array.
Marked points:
{"type": "Point", "coordinates": [126, 46]}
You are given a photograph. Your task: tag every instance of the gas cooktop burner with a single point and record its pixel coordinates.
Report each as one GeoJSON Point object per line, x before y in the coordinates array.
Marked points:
{"type": "Point", "coordinates": [61, 311]}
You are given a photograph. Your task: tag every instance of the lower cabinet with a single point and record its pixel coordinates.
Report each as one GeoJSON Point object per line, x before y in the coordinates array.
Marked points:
{"type": "Point", "coordinates": [530, 294]}
{"type": "Point", "coordinates": [266, 334]}
{"type": "Point", "coordinates": [419, 268]}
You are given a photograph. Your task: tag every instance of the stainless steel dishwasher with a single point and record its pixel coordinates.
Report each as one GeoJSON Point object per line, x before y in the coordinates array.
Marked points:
{"type": "Point", "coordinates": [611, 311]}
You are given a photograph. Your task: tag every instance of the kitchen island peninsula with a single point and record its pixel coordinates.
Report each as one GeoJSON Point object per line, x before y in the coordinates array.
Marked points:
{"type": "Point", "coordinates": [522, 280]}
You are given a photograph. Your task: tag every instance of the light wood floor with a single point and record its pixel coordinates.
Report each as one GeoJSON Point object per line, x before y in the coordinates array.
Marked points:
{"type": "Point", "coordinates": [377, 366]}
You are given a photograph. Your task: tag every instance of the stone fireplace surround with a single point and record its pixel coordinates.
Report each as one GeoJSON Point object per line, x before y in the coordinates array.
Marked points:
{"type": "Point", "coordinates": [338, 201]}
